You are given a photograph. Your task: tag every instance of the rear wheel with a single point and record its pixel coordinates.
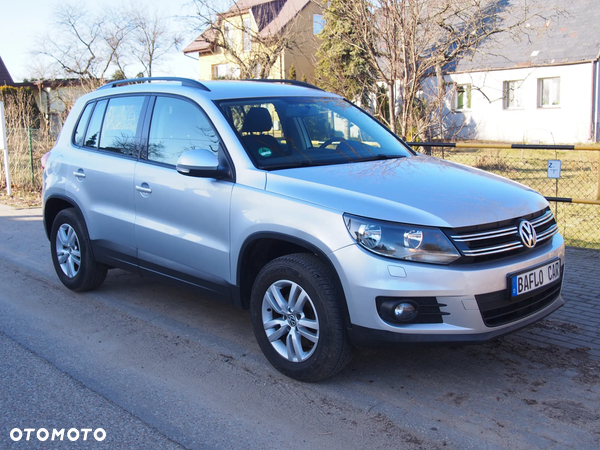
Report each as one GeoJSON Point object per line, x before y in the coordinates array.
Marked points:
{"type": "Point", "coordinates": [72, 253]}
{"type": "Point", "coordinates": [297, 318]}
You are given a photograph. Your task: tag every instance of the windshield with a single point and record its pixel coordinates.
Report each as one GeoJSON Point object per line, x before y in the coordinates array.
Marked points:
{"type": "Point", "coordinates": [288, 132]}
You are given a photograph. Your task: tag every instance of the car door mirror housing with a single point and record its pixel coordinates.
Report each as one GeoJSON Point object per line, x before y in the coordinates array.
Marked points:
{"type": "Point", "coordinates": [200, 163]}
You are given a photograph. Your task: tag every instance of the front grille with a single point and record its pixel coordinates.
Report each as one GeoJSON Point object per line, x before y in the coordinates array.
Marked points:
{"type": "Point", "coordinates": [501, 239]}
{"type": "Point", "coordinates": [498, 309]}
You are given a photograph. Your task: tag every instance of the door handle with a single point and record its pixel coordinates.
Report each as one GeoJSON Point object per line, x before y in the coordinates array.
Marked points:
{"type": "Point", "coordinates": [79, 174]}
{"type": "Point", "coordinates": [144, 188]}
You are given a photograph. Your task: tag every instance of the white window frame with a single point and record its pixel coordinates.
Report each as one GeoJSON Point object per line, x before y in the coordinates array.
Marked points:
{"type": "Point", "coordinates": [549, 92]}
{"type": "Point", "coordinates": [512, 92]}
{"type": "Point", "coordinates": [225, 71]}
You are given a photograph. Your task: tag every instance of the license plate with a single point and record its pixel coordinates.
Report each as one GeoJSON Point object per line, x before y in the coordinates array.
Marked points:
{"type": "Point", "coordinates": [534, 278]}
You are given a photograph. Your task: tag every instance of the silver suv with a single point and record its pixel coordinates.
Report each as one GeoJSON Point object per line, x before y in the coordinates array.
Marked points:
{"type": "Point", "coordinates": [293, 202]}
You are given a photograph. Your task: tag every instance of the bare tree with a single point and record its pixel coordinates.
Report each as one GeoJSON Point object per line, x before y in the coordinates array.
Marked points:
{"type": "Point", "coordinates": [151, 37]}
{"type": "Point", "coordinates": [261, 43]}
{"type": "Point", "coordinates": [84, 45]}
{"type": "Point", "coordinates": [408, 41]}
{"type": "Point", "coordinates": [91, 46]}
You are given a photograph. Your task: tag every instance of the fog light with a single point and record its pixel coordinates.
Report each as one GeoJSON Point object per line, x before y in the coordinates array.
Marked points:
{"type": "Point", "coordinates": [403, 312]}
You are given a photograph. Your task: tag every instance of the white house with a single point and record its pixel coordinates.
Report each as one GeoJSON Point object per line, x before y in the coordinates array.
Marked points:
{"type": "Point", "coordinates": [541, 89]}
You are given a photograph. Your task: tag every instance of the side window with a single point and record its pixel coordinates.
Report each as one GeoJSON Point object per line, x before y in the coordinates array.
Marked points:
{"type": "Point", "coordinates": [93, 132]}
{"type": "Point", "coordinates": [120, 125]}
{"type": "Point", "coordinates": [178, 126]}
{"type": "Point", "coordinates": [79, 136]}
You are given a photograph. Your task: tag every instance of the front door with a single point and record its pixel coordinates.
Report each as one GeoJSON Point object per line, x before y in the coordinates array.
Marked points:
{"type": "Point", "coordinates": [182, 222]}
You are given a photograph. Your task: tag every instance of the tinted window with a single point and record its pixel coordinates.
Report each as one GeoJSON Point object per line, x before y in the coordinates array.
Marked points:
{"type": "Point", "coordinates": [120, 124]}
{"type": "Point", "coordinates": [93, 131]}
{"type": "Point", "coordinates": [178, 126]}
{"type": "Point", "coordinates": [82, 125]}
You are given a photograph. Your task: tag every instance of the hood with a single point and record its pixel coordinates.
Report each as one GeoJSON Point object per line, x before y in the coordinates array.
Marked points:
{"type": "Point", "coordinates": [419, 190]}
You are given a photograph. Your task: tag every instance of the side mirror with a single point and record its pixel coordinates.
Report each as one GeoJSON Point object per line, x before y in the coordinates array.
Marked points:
{"type": "Point", "coordinates": [200, 163]}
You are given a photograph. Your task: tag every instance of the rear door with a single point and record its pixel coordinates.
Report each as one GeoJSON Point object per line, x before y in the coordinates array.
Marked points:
{"type": "Point", "coordinates": [182, 222]}
{"type": "Point", "coordinates": [101, 174]}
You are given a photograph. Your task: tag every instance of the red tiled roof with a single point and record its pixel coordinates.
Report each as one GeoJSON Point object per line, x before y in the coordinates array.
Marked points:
{"type": "Point", "coordinates": [271, 17]}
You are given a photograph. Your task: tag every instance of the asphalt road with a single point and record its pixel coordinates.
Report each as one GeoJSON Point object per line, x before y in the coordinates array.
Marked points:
{"type": "Point", "coordinates": [159, 368]}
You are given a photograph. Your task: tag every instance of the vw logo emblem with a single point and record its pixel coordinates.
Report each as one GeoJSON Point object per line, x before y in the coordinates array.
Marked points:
{"type": "Point", "coordinates": [292, 320]}
{"type": "Point", "coordinates": [527, 234]}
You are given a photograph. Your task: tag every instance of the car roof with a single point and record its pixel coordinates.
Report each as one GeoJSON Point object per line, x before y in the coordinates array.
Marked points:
{"type": "Point", "coordinates": [216, 90]}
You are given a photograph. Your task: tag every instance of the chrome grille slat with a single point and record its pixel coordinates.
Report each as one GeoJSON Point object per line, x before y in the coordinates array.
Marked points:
{"type": "Point", "coordinates": [542, 220]}
{"type": "Point", "coordinates": [492, 243]}
{"type": "Point", "coordinates": [483, 235]}
{"type": "Point", "coordinates": [487, 236]}
{"type": "Point", "coordinates": [548, 233]}
{"type": "Point", "coordinates": [494, 250]}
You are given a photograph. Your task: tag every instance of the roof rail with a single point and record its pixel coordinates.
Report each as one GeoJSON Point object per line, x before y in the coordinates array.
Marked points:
{"type": "Point", "coordinates": [184, 82]}
{"type": "Point", "coordinates": [292, 82]}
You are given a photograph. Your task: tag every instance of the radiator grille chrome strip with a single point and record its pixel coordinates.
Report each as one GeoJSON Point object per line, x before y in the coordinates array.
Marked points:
{"type": "Point", "coordinates": [504, 234]}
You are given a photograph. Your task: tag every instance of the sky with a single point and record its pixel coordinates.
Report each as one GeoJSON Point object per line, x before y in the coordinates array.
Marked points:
{"type": "Point", "coordinates": [22, 24]}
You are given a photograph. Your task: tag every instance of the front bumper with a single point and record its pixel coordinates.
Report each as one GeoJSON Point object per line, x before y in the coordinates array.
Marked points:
{"type": "Point", "coordinates": [367, 337]}
{"type": "Point", "coordinates": [365, 277]}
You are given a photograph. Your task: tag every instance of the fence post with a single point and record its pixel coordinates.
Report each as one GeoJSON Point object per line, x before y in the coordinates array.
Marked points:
{"type": "Point", "coordinates": [30, 153]}
{"type": "Point", "coordinates": [5, 148]}
{"type": "Point", "coordinates": [598, 195]}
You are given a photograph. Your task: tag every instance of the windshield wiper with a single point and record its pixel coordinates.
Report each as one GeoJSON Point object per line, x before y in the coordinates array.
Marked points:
{"type": "Point", "coordinates": [286, 165]}
{"type": "Point", "coordinates": [379, 157]}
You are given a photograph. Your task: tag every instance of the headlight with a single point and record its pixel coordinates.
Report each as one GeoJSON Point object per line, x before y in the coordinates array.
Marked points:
{"type": "Point", "coordinates": [401, 241]}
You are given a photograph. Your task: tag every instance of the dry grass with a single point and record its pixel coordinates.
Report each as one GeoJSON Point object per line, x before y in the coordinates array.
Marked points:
{"type": "Point", "coordinates": [21, 198]}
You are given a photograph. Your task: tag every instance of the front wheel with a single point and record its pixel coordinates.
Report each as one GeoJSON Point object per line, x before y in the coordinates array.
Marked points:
{"type": "Point", "coordinates": [72, 253]}
{"type": "Point", "coordinates": [297, 318]}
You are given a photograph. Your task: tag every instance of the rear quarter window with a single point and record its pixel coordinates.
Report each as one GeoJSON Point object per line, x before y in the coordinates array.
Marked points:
{"type": "Point", "coordinates": [79, 137]}
{"type": "Point", "coordinates": [92, 134]}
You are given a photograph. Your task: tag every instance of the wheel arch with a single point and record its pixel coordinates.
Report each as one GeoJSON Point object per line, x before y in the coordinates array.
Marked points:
{"type": "Point", "coordinates": [261, 248]}
{"type": "Point", "coordinates": [53, 206]}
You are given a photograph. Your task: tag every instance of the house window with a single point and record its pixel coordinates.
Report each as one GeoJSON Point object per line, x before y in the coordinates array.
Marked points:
{"type": "Point", "coordinates": [219, 71]}
{"type": "Point", "coordinates": [228, 35]}
{"type": "Point", "coordinates": [462, 97]}
{"type": "Point", "coordinates": [318, 23]}
{"type": "Point", "coordinates": [513, 94]}
{"type": "Point", "coordinates": [225, 71]}
{"type": "Point", "coordinates": [247, 40]}
{"type": "Point", "coordinates": [548, 92]}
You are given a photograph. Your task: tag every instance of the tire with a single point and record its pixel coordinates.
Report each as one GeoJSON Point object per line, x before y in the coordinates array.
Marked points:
{"type": "Point", "coordinates": [307, 340]}
{"type": "Point", "coordinates": [72, 255]}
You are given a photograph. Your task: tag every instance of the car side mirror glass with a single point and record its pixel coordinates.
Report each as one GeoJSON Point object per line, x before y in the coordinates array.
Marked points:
{"type": "Point", "coordinates": [199, 163]}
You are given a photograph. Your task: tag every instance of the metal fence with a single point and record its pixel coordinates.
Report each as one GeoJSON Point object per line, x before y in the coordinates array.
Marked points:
{"type": "Point", "coordinates": [579, 180]}
{"type": "Point", "coordinates": [25, 148]}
